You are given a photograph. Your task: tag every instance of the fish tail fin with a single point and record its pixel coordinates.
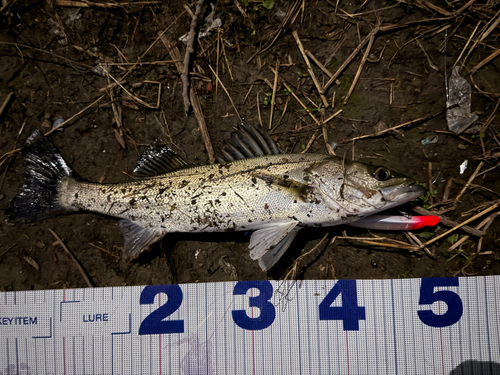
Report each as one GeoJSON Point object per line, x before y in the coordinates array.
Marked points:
{"type": "Point", "coordinates": [44, 171]}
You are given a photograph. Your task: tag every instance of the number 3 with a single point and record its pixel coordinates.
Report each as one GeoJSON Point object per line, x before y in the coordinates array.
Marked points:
{"type": "Point", "coordinates": [429, 296]}
{"type": "Point", "coordinates": [267, 311]}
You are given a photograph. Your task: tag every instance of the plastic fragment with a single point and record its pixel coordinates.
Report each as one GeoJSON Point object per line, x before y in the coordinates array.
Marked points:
{"type": "Point", "coordinates": [58, 121]}
{"type": "Point", "coordinates": [458, 115]}
{"type": "Point", "coordinates": [429, 140]}
{"type": "Point", "coordinates": [463, 166]}
{"type": "Point", "coordinates": [280, 13]}
{"type": "Point", "coordinates": [211, 23]}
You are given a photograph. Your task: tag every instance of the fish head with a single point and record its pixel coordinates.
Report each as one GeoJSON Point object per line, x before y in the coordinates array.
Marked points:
{"type": "Point", "coordinates": [360, 189]}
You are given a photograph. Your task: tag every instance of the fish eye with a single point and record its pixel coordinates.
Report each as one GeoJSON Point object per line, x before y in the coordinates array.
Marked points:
{"type": "Point", "coordinates": [382, 174]}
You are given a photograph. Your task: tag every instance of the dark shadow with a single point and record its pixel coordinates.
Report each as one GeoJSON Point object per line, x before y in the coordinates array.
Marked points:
{"type": "Point", "coordinates": [476, 368]}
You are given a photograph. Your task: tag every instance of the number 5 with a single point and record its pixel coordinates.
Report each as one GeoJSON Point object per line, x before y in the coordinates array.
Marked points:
{"type": "Point", "coordinates": [429, 296]}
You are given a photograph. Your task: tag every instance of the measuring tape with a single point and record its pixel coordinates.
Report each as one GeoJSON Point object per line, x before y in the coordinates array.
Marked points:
{"type": "Point", "coordinates": [403, 326]}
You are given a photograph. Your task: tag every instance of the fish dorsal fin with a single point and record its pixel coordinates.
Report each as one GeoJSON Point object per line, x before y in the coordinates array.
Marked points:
{"type": "Point", "coordinates": [268, 238]}
{"type": "Point", "coordinates": [247, 142]}
{"type": "Point", "coordinates": [159, 160]}
{"type": "Point", "coordinates": [137, 238]}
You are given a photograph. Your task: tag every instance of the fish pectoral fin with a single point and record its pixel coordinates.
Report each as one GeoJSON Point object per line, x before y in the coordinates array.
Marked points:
{"type": "Point", "coordinates": [269, 237]}
{"type": "Point", "coordinates": [137, 238]}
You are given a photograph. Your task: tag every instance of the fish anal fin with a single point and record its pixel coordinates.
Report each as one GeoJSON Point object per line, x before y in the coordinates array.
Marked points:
{"type": "Point", "coordinates": [267, 238]}
{"type": "Point", "coordinates": [159, 160]}
{"type": "Point", "coordinates": [137, 238]}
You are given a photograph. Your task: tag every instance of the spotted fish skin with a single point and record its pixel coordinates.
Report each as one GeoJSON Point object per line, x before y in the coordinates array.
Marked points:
{"type": "Point", "coordinates": [275, 195]}
{"type": "Point", "coordinates": [239, 195]}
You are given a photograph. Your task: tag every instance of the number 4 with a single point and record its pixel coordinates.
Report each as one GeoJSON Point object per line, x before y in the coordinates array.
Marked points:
{"type": "Point", "coordinates": [349, 312]}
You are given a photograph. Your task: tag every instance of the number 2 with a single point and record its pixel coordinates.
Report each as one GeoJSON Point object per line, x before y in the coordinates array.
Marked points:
{"type": "Point", "coordinates": [154, 324]}
{"type": "Point", "coordinates": [428, 296]}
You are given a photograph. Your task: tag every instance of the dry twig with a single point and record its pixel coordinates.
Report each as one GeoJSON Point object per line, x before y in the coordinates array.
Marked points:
{"type": "Point", "coordinates": [189, 52]}
{"type": "Point", "coordinates": [485, 61]}
{"type": "Point", "coordinates": [88, 4]}
{"type": "Point", "coordinates": [292, 273]}
{"type": "Point", "coordinates": [445, 221]}
{"type": "Point", "coordinates": [361, 65]}
{"type": "Point", "coordinates": [409, 123]}
{"type": "Point", "coordinates": [203, 125]}
{"type": "Point", "coordinates": [7, 154]}
{"type": "Point", "coordinates": [227, 93]}
{"type": "Point", "coordinates": [309, 68]}
{"type": "Point", "coordinates": [5, 103]}
{"type": "Point", "coordinates": [481, 225]}
{"type": "Point", "coordinates": [467, 185]}
{"type": "Point", "coordinates": [273, 97]}
{"type": "Point", "coordinates": [350, 58]}
{"type": "Point", "coordinates": [64, 123]}
{"type": "Point", "coordinates": [301, 103]}
{"type": "Point", "coordinates": [78, 265]}
{"type": "Point", "coordinates": [491, 208]}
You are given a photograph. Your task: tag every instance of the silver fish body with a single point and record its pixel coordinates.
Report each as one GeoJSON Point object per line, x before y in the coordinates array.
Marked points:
{"type": "Point", "coordinates": [275, 195]}
{"type": "Point", "coordinates": [315, 190]}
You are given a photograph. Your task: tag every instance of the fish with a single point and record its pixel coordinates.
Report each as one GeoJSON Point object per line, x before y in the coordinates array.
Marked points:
{"type": "Point", "coordinates": [253, 187]}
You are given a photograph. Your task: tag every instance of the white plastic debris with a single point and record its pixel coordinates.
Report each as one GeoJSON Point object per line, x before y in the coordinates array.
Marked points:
{"type": "Point", "coordinates": [100, 70]}
{"type": "Point", "coordinates": [463, 166]}
{"type": "Point", "coordinates": [458, 115]}
{"type": "Point", "coordinates": [58, 121]}
{"type": "Point", "coordinates": [280, 13]}
{"type": "Point", "coordinates": [210, 24]}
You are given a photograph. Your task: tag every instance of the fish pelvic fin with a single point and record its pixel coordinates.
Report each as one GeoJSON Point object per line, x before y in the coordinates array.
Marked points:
{"type": "Point", "coordinates": [137, 238]}
{"type": "Point", "coordinates": [271, 257]}
{"type": "Point", "coordinates": [44, 170]}
{"type": "Point", "coordinates": [269, 243]}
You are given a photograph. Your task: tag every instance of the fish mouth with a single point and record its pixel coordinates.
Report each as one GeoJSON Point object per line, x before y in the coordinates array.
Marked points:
{"type": "Point", "coordinates": [402, 193]}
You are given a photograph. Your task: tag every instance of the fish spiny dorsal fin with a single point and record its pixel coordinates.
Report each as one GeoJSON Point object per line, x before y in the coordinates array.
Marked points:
{"type": "Point", "coordinates": [247, 142]}
{"type": "Point", "coordinates": [159, 160]}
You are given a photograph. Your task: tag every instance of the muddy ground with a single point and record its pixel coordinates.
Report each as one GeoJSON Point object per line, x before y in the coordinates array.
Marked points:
{"type": "Point", "coordinates": [54, 60]}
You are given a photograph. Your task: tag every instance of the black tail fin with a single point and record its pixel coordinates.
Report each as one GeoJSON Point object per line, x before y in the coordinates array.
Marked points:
{"type": "Point", "coordinates": [44, 169]}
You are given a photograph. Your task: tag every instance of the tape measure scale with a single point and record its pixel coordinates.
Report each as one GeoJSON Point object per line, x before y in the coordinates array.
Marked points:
{"type": "Point", "coordinates": [403, 326]}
